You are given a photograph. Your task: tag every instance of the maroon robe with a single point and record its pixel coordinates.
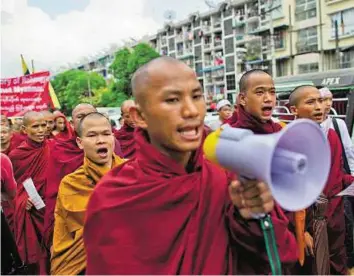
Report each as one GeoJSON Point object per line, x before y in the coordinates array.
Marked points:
{"type": "Point", "coordinates": [125, 136]}
{"type": "Point", "coordinates": [30, 160]}
{"type": "Point", "coordinates": [335, 210]}
{"type": "Point", "coordinates": [149, 216]}
{"type": "Point", "coordinates": [233, 119]}
{"type": "Point", "coordinates": [8, 186]}
{"type": "Point", "coordinates": [18, 138]}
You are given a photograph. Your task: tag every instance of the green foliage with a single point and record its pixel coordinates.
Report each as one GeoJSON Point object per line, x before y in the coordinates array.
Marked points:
{"type": "Point", "coordinates": [72, 87]}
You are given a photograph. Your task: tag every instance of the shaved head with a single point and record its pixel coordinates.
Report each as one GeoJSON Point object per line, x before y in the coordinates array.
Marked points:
{"type": "Point", "coordinates": [80, 111]}
{"type": "Point", "coordinates": [298, 93]}
{"type": "Point", "coordinates": [141, 79]}
{"type": "Point", "coordinates": [83, 106]}
{"type": "Point", "coordinates": [46, 113]}
{"type": "Point", "coordinates": [244, 81]}
{"type": "Point", "coordinates": [126, 105]}
{"type": "Point", "coordinates": [31, 116]}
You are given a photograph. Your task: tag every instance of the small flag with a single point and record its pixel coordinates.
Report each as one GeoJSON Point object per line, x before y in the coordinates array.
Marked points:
{"type": "Point", "coordinates": [24, 66]}
{"type": "Point", "coordinates": [53, 96]}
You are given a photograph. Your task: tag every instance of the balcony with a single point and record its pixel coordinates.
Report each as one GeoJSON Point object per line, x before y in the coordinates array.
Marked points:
{"type": "Point", "coordinates": [304, 47]}
{"type": "Point", "coordinates": [217, 24]}
{"type": "Point", "coordinates": [180, 52]}
{"type": "Point", "coordinates": [179, 37]}
{"type": "Point", "coordinates": [208, 63]}
{"type": "Point", "coordinates": [206, 29]}
{"type": "Point", "coordinates": [218, 44]}
{"type": "Point", "coordinates": [207, 47]}
{"type": "Point", "coordinates": [163, 40]}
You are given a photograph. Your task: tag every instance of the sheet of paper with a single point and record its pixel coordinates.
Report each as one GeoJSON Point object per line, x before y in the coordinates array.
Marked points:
{"type": "Point", "coordinates": [33, 194]}
{"type": "Point", "coordinates": [349, 191]}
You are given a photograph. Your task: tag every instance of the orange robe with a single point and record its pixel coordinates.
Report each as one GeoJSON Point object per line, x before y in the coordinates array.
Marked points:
{"type": "Point", "coordinates": [68, 253]}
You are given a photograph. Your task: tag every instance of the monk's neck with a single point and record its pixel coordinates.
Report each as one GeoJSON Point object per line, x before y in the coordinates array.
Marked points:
{"type": "Point", "coordinates": [4, 147]}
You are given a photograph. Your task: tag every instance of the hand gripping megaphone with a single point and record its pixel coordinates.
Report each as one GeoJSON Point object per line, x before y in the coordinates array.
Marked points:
{"type": "Point", "coordinates": [294, 162]}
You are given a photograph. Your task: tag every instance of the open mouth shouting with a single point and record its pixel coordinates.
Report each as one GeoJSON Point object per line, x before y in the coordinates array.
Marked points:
{"type": "Point", "coordinates": [318, 116]}
{"type": "Point", "coordinates": [190, 132]}
{"type": "Point", "coordinates": [102, 152]}
{"type": "Point", "coordinates": [267, 111]}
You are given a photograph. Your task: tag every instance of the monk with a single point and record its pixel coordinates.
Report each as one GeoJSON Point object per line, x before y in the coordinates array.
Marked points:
{"type": "Point", "coordinates": [125, 135]}
{"type": "Point", "coordinates": [257, 100]}
{"type": "Point", "coordinates": [7, 143]}
{"type": "Point", "coordinates": [8, 189]}
{"type": "Point", "coordinates": [169, 210]}
{"type": "Point", "coordinates": [49, 118]}
{"type": "Point", "coordinates": [62, 129]}
{"type": "Point", "coordinates": [307, 102]}
{"type": "Point", "coordinates": [67, 157]}
{"type": "Point", "coordinates": [96, 139]}
{"type": "Point", "coordinates": [30, 160]}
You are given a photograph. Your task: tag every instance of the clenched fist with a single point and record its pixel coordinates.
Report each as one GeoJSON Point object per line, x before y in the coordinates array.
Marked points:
{"type": "Point", "coordinates": [251, 197]}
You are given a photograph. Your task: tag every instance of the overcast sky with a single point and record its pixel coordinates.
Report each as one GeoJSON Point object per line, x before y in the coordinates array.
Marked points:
{"type": "Point", "coordinates": [55, 32]}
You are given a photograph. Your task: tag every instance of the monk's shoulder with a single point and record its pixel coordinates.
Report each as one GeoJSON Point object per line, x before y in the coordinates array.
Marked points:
{"type": "Point", "coordinates": [71, 181]}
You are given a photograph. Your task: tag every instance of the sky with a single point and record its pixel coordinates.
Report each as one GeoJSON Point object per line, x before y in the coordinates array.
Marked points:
{"type": "Point", "coordinates": [56, 32]}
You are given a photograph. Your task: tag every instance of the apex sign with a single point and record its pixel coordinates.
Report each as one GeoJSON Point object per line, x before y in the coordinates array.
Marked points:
{"type": "Point", "coordinates": [330, 81]}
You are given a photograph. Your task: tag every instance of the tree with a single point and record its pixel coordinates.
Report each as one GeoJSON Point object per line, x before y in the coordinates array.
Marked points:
{"type": "Point", "coordinates": [126, 63]}
{"type": "Point", "coordinates": [74, 87]}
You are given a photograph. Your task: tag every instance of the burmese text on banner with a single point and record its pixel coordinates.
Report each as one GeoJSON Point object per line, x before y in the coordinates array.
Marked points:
{"type": "Point", "coordinates": [21, 94]}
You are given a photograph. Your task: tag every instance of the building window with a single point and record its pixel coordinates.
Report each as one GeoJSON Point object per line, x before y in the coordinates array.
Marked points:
{"type": "Point", "coordinates": [229, 45]}
{"type": "Point", "coordinates": [308, 68]}
{"type": "Point", "coordinates": [171, 44]}
{"type": "Point", "coordinates": [198, 53]}
{"type": "Point", "coordinates": [231, 82]}
{"type": "Point", "coordinates": [279, 39]}
{"type": "Point", "coordinates": [230, 64]}
{"type": "Point", "coordinates": [347, 59]}
{"type": "Point", "coordinates": [197, 36]}
{"type": "Point", "coordinates": [196, 23]}
{"type": "Point", "coordinates": [345, 22]}
{"type": "Point", "coordinates": [228, 28]}
{"type": "Point", "coordinates": [307, 40]}
{"type": "Point", "coordinates": [305, 9]}
{"type": "Point", "coordinates": [227, 12]}
{"type": "Point", "coordinates": [282, 68]}
{"type": "Point", "coordinates": [199, 69]}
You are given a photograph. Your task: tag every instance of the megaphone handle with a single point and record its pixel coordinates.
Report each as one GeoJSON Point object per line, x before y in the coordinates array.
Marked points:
{"type": "Point", "coordinates": [271, 245]}
{"type": "Point", "coordinates": [243, 179]}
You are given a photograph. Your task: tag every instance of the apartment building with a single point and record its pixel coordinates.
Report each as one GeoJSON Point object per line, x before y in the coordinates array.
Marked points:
{"type": "Point", "coordinates": [236, 36]}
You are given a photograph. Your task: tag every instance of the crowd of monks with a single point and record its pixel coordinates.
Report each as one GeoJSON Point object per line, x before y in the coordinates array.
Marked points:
{"type": "Point", "coordinates": [144, 200]}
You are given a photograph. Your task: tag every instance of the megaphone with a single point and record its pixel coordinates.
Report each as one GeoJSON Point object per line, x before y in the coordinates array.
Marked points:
{"type": "Point", "coordinates": [294, 162]}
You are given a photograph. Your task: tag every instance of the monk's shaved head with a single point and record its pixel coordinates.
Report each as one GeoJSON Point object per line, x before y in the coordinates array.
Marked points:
{"type": "Point", "coordinates": [47, 113]}
{"type": "Point", "coordinates": [83, 106]}
{"type": "Point", "coordinates": [126, 105]}
{"type": "Point", "coordinates": [298, 93]}
{"type": "Point", "coordinates": [31, 116]}
{"type": "Point", "coordinates": [142, 77]}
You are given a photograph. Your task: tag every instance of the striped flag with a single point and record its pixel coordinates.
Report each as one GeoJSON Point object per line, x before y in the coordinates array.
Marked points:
{"type": "Point", "coordinates": [25, 69]}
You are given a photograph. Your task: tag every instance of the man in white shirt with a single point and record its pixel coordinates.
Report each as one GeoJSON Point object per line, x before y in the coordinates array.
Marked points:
{"type": "Point", "coordinates": [224, 109]}
{"type": "Point", "coordinates": [344, 134]}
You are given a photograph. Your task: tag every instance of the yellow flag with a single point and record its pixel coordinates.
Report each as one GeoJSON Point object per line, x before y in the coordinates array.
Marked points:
{"type": "Point", "coordinates": [24, 66]}
{"type": "Point", "coordinates": [54, 97]}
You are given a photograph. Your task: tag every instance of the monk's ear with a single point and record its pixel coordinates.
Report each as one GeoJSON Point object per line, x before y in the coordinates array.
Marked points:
{"type": "Point", "coordinates": [242, 98]}
{"type": "Point", "coordinates": [79, 143]}
{"type": "Point", "coordinates": [24, 129]}
{"type": "Point", "coordinates": [138, 116]}
{"type": "Point", "coordinates": [293, 110]}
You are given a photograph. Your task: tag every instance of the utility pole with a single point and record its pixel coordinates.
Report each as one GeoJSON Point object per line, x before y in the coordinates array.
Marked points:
{"type": "Point", "coordinates": [337, 43]}
{"type": "Point", "coordinates": [89, 87]}
{"type": "Point", "coordinates": [272, 46]}
{"type": "Point", "coordinates": [291, 42]}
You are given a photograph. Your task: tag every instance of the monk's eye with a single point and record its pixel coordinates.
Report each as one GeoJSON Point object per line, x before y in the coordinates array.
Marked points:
{"type": "Point", "coordinates": [259, 93]}
{"type": "Point", "coordinates": [172, 100]}
{"type": "Point", "coordinates": [198, 97]}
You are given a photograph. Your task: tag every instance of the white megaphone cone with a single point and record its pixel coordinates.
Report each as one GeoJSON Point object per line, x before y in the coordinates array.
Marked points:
{"type": "Point", "coordinates": [294, 162]}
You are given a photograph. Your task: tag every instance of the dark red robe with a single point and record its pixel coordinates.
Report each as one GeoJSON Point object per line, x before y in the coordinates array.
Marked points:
{"type": "Point", "coordinates": [68, 132]}
{"type": "Point", "coordinates": [125, 136]}
{"type": "Point", "coordinates": [150, 216]}
{"type": "Point", "coordinates": [335, 211]}
{"type": "Point", "coordinates": [30, 160]}
{"type": "Point", "coordinates": [18, 138]}
{"type": "Point", "coordinates": [8, 185]}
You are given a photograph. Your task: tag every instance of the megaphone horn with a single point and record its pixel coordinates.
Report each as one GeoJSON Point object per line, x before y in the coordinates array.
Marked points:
{"type": "Point", "coordinates": [294, 162]}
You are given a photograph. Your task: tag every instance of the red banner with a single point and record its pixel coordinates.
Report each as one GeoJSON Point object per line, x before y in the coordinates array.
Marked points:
{"type": "Point", "coordinates": [19, 95]}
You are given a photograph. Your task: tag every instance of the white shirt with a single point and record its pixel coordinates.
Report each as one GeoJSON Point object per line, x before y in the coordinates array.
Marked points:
{"type": "Point", "coordinates": [347, 142]}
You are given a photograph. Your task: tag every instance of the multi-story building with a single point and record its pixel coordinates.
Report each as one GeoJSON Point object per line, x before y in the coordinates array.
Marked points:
{"type": "Point", "coordinates": [236, 36]}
